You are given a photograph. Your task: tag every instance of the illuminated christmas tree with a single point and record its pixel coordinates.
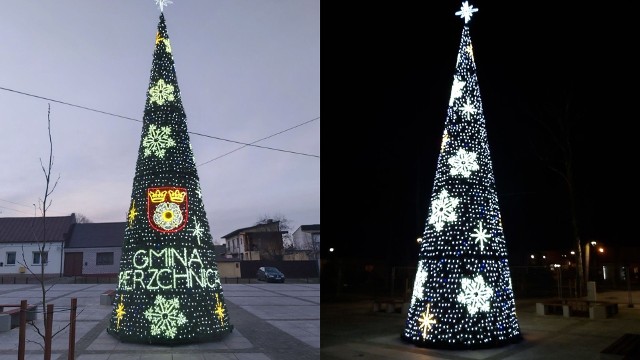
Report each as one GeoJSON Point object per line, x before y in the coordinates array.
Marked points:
{"type": "Point", "coordinates": [462, 295]}
{"type": "Point", "coordinates": [169, 289]}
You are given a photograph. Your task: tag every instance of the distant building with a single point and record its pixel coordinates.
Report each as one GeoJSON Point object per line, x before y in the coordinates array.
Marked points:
{"type": "Point", "coordinates": [19, 244]}
{"type": "Point", "coordinates": [259, 242]}
{"type": "Point", "coordinates": [227, 267]}
{"type": "Point", "coordinates": [307, 237]}
{"type": "Point", "coordinates": [94, 249]}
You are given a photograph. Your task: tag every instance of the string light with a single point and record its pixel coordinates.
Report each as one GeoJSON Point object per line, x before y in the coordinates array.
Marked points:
{"type": "Point", "coordinates": [169, 289]}
{"type": "Point", "coordinates": [462, 296]}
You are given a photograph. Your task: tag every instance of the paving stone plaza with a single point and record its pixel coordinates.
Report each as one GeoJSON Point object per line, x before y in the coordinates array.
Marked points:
{"type": "Point", "coordinates": [271, 322]}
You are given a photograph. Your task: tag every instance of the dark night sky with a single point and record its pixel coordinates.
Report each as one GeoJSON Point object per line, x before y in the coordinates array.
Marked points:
{"type": "Point", "coordinates": [387, 75]}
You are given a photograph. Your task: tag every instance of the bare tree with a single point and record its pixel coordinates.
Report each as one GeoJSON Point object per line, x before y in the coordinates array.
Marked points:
{"type": "Point", "coordinates": [559, 133]}
{"type": "Point", "coordinates": [81, 219]}
{"type": "Point", "coordinates": [40, 236]}
{"type": "Point", "coordinates": [284, 225]}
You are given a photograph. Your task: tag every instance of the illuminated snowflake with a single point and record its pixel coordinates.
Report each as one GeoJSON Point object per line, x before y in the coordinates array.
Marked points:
{"type": "Point", "coordinates": [161, 92]}
{"type": "Point", "coordinates": [198, 231]}
{"type": "Point", "coordinates": [475, 294]}
{"type": "Point", "coordinates": [167, 216]}
{"type": "Point", "coordinates": [442, 210]}
{"type": "Point", "coordinates": [466, 11]}
{"type": "Point", "coordinates": [426, 321]}
{"type": "Point", "coordinates": [418, 284]}
{"type": "Point", "coordinates": [165, 317]}
{"type": "Point", "coordinates": [463, 163]}
{"type": "Point", "coordinates": [157, 141]}
{"type": "Point", "coordinates": [481, 235]}
{"type": "Point", "coordinates": [456, 89]}
{"type": "Point", "coordinates": [468, 109]}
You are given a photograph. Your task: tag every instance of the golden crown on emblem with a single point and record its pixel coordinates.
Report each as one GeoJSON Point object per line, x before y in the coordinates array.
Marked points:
{"type": "Point", "coordinates": [157, 196]}
{"type": "Point", "coordinates": [177, 195]}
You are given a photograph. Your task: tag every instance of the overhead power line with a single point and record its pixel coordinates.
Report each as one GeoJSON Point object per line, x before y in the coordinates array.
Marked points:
{"type": "Point", "coordinates": [190, 132]}
{"type": "Point", "coordinates": [264, 138]}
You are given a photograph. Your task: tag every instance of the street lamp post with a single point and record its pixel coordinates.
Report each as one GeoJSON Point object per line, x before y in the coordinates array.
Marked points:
{"type": "Point", "coordinates": [587, 257]}
{"type": "Point", "coordinates": [629, 285]}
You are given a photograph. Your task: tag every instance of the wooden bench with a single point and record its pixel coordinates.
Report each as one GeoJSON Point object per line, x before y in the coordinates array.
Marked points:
{"type": "Point", "coordinates": [554, 307]}
{"type": "Point", "coordinates": [10, 319]}
{"type": "Point", "coordinates": [577, 308]}
{"type": "Point", "coordinates": [626, 347]}
{"type": "Point", "coordinates": [602, 310]}
{"type": "Point", "coordinates": [107, 297]}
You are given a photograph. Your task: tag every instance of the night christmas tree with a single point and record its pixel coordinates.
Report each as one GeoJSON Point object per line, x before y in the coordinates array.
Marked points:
{"type": "Point", "coordinates": [462, 295]}
{"type": "Point", "coordinates": [169, 289]}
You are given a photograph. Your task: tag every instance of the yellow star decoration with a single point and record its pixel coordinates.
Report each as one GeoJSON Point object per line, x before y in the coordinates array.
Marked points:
{"type": "Point", "coordinates": [219, 309]}
{"type": "Point", "coordinates": [120, 312]}
{"type": "Point", "coordinates": [426, 321]}
{"type": "Point", "coordinates": [158, 38]}
{"type": "Point", "coordinates": [132, 213]}
{"type": "Point", "coordinates": [470, 51]}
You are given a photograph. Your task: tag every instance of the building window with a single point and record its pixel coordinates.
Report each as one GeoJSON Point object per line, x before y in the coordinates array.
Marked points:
{"type": "Point", "coordinates": [36, 257]}
{"type": "Point", "coordinates": [11, 257]}
{"type": "Point", "coordinates": [104, 258]}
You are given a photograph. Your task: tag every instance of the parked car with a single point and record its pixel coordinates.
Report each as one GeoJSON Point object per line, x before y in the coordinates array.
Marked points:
{"type": "Point", "coordinates": [270, 274]}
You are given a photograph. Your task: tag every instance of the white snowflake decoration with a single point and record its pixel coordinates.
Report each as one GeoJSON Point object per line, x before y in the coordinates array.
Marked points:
{"type": "Point", "coordinates": [481, 235]}
{"type": "Point", "coordinates": [157, 141]}
{"type": "Point", "coordinates": [466, 11]}
{"type": "Point", "coordinates": [167, 215]}
{"type": "Point", "coordinates": [463, 163]}
{"type": "Point", "coordinates": [418, 284]}
{"type": "Point", "coordinates": [197, 231]}
{"type": "Point", "coordinates": [456, 89]}
{"type": "Point", "coordinates": [443, 210]}
{"type": "Point", "coordinates": [468, 109]}
{"type": "Point", "coordinates": [165, 317]}
{"type": "Point", "coordinates": [161, 92]}
{"type": "Point", "coordinates": [475, 294]}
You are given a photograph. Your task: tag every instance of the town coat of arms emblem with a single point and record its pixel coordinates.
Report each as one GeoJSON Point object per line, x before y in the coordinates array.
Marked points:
{"type": "Point", "coordinates": [167, 208]}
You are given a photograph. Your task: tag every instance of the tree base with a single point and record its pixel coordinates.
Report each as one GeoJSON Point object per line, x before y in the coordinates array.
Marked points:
{"type": "Point", "coordinates": [171, 342]}
{"type": "Point", "coordinates": [458, 346]}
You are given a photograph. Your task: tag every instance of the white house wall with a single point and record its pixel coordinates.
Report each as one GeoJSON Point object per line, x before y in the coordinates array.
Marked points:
{"type": "Point", "coordinates": [54, 265]}
{"type": "Point", "coordinates": [89, 266]}
{"type": "Point", "coordinates": [302, 240]}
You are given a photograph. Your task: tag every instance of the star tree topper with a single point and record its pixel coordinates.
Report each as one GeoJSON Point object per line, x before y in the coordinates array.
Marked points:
{"type": "Point", "coordinates": [466, 11]}
{"type": "Point", "coordinates": [163, 3]}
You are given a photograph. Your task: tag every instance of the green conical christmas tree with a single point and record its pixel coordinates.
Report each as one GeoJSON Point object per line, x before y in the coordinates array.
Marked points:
{"type": "Point", "coordinates": [169, 289]}
{"type": "Point", "coordinates": [462, 294]}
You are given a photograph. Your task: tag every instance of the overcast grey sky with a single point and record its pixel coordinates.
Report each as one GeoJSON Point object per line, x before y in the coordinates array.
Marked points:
{"type": "Point", "coordinates": [247, 69]}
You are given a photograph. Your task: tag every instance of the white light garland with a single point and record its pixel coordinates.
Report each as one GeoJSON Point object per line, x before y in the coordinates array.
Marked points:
{"type": "Point", "coordinates": [462, 294]}
{"type": "Point", "coordinates": [169, 287]}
